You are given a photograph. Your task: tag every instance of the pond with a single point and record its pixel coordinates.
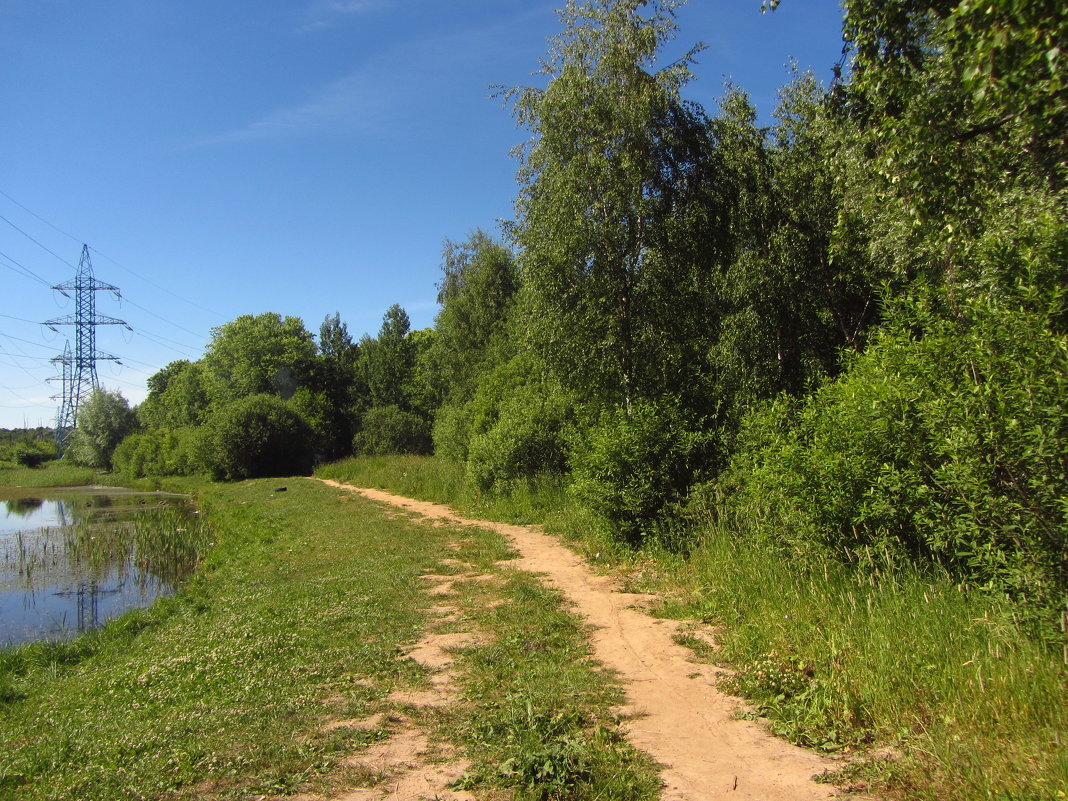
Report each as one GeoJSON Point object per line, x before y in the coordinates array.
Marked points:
{"type": "Point", "coordinates": [73, 558]}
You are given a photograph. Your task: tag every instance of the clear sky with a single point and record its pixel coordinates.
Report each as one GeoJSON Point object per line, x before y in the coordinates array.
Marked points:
{"type": "Point", "coordinates": [303, 157]}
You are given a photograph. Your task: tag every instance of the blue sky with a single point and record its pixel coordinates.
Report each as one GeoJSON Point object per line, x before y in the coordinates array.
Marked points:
{"type": "Point", "coordinates": [303, 157]}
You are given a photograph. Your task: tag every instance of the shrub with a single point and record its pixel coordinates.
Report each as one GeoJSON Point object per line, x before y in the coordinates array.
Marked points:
{"type": "Point", "coordinates": [257, 436]}
{"type": "Point", "coordinates": [451, 431]}
{"type": "Point", "coordinates": [104, 420]}
{"type": "Point", "coordinates": [28, 457]}
{"type": "Point", "coordinates": [627, 469]}
{"type": "Point", "coordinates": [528, 437]}
{"type": "Point", "coordinates": [165, 452]}
{"type": "Point", "coordinates": [947, 440]}
{"type": "Point", "coordinates": [390, 429]}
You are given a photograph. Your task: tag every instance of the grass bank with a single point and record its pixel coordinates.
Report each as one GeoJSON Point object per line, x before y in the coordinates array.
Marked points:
{"type": "Point", "coordinates": [300, 615]}
{"type": "Point", "coordinates": [941, 686]}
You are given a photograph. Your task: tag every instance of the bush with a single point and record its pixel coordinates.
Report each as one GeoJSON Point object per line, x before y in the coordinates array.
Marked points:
{"type": "Point", "coordinates": [166, 452]}
{"type": "Point", "coordinates": [255, 437]}
{"type": "Point", "coordinates": [390, 429]}
{"type": "Point", "coordinates": [628, 469]}
{"type": "Point", "coordinates": [28, 457]}
{"type": "Point", "coordinates": [451, 431]}
{"type": "Point", "coordinates": [104, 420]}
{"type": "Point", "coordinates": [947, 440]}
{"type": "Point", "coordinates": [528, 437]}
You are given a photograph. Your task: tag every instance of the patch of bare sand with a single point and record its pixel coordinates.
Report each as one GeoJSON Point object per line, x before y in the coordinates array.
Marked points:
{"type": "Point", "coordinates": [409, 766]}
{"type": "Point", "coordinates": [414, 770]}
{"type": "Point", "coordinates": [679, 717]}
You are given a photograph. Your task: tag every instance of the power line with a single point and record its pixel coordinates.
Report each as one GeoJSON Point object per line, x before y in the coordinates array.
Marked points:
{"type": "Point", "coordinates": [38, 216]}
{"type": "Point", "coordinates": [19, 355]}
{"type": "Point", "coordinates": [162, 319]}
{"type": "Point", "coordinates": [159, 286]}
{"type": "Point", "coordinates": [26, 271]}
{"type": "Point", "coordinates": [20, 319]}
{"type": "Point", "coordinates": [104, 255]}
{"type": "Point", "coordinates": [27, 341]}
{"type": "Point", "coordinates": [43, 247]}
{"type": "Point", "coordinates": [159, 339]}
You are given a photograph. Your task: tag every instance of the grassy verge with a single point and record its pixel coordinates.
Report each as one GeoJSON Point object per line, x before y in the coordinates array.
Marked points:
{"type": "Point", "coordinates": [971, 706]}
{"type": "Point", "coordinates": [300, 616]}
{"type": "Point", "coordinates": [544, 501]}
{"type": "Point", "coordinates": [943, 680]}
{"type": "Point", "coordinates": [51, 474]}
{"type": "Point", "coordinates": [535, 710]}
{"type": "Point", "coordinates": [222, 691]}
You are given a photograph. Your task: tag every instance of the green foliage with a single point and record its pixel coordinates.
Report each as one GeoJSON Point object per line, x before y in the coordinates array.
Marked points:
{"type": "Point", "coordinates": [27, 447]}
{"type": "Point", "coordinates": [390, 429]}
{"type": "Point", "coordinates": [337, 398]}
{"type": "Point", "coordinates": [476, 296]}
{"type": "Point", "coordinates": [959, 106]}
{"type": "Point", "coordinates": [515, 426]}
{"type": "Point", "coordinates": [608, 208]}
{"type": "Point", "coordinates": [177, 397]}
{"type": "Point", "coordinates": [161, 452]}
{"type": "Point", "coordinates": [946, 440]}
{"type": "Point", "coordinates": [385, 364]}
{"type": "Point", "coordinates": [528, 437]}
{"type": "Point", "coordinates": [630, 469]}
{"type": "Point", "coordinates": [327, 425]}
{"type": "Point", "coordinates": [258, 436]}
{"type": "Point", "coordinates": [26, 456]}
{"type": "Point", "coordinates": [104, 419]}
{"type": "Point", "coordinates": [251, 355]}
{"type": "Point", "coordinates": [451, 431]}
{"type": "Point", "coordinates": [783, 307]}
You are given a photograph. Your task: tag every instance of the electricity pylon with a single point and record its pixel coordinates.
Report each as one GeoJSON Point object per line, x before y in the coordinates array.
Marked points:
{"type": "Point", "coordinates": [79, 371]}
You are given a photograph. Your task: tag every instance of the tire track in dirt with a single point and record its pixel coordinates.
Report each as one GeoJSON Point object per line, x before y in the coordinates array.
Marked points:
{"type": "Point", "coordinates": [679, 716]}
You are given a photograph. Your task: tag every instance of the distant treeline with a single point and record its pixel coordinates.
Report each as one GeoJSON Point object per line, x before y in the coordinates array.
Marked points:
{"type": "Point", "coordinates": [28, 447]}
{"type": "Point", "coordinates": [841, 334]}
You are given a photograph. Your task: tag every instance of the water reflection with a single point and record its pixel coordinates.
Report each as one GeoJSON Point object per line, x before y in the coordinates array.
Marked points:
{"type": "Point", "coordinates": [21, 507]}
{"type": "Point", "coordinates": [70, 561]}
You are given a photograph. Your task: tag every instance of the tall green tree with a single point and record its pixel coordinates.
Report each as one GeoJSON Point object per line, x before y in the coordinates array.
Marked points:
{"type": "Point", "coordinates": [602, 191]}
{"type": "Point", "coordinates": [263, 353]}
{"type": "Point", "coordinates": [340, 392]}
{"type": "Point", "coordinates": [177, 396]}
{"type": "Point", "coordinates": [964, 112]}
{"type": "Point", "coordinates": [786, 307]}
{"type": "Point", "coordinates": [386, 362]}
{"type": "Point", "coordinates": [476, 294]}
{"type": "Point", "coordinates": [103, 421]}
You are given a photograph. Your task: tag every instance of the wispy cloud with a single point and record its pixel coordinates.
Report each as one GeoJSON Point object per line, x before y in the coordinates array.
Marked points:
{"type": "Point", "coordinates": [382, 93]}
{"type": "Point", "coordinates": [328, 13]}
{"type": "Point", "coordinates": [349, 105]}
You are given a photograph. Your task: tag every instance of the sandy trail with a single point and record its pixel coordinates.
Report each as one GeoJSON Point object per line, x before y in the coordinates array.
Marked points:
{"type": "Point", "coordinates": [680, 718]}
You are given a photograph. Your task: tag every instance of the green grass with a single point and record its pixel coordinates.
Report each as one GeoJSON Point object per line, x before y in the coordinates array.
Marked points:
{"type": "Point", "coordinates": [300, 615]}
{"type": "Point", "coordinates": [968, 701]}
{"type": "Point", "coordinates": [538, 715]}
{"type": "Point", "coordinates": [51, 474]}
{"type": "Point", "coordinates": [975, 707]}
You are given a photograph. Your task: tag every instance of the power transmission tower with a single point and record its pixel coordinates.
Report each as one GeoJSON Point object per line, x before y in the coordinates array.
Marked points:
{"type": "Point", "coordinates": [79, 371]}
{"type": "Point", "coordinates": [64, 422]}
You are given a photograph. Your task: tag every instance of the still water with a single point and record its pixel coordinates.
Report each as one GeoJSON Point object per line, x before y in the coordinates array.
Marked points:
{"type": "Point", "coordinates": [72, 559]}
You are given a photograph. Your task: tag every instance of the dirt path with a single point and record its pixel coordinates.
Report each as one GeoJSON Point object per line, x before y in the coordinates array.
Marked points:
{"type": "Point", "coordinates": [679, 717]}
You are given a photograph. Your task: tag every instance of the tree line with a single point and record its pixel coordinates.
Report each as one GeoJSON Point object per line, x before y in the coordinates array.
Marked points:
{"type": "Point", "coordinates": [844, 332]}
